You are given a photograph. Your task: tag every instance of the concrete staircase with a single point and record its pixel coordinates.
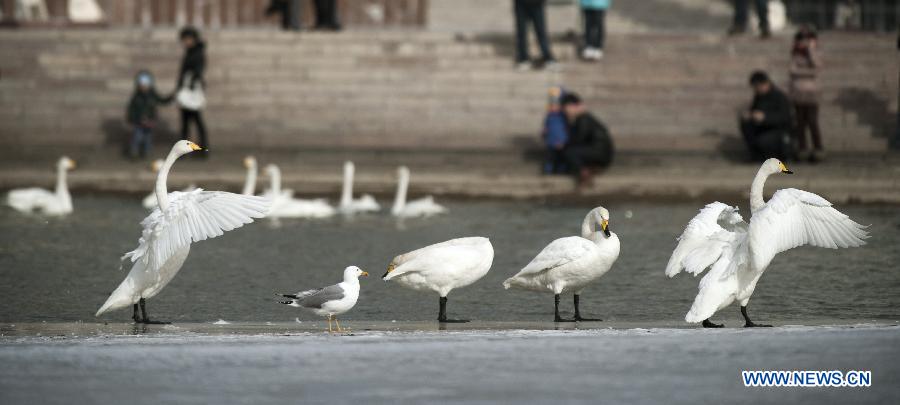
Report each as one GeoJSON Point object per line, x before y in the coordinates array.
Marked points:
{"type": "Point", "coordinates": [427, 89]}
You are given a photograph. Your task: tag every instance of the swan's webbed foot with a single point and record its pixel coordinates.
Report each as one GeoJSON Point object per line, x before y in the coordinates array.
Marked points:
{"type": "Point", "coordinates": [442, 313]}
{"type": "Point", "coordinates": [146, 319]}
{"type": "Point", "coordinates": [748, 323]}
{"type": "Point", "coordinates": [578, 317]}
{"type": "Point", "coordinates": [136, 317]}
{"type": "Point", "coordinates": [558, 319]}
{"type": "Point", "coordinates": [445, 320]}
{"type": "Point", "coordinates": [707, 324]}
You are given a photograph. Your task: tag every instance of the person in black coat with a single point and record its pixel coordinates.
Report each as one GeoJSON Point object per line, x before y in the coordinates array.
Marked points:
{"type": "Point", "coordinates": [589, 141]}
{"type": "Point", "coordinates": [190, 76]}
{"type": "Point", "coordinates": [766, 125]}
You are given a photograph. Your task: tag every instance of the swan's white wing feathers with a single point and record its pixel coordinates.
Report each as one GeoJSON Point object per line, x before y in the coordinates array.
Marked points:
{"type": "Point", "coordinates": [705, 236]}
{"type": "Point", "coordinates": [793, 218]}
{"type": "Point", "coordinates": [192, 217]}
{"type": "Point", "coordinates": [558, 253]}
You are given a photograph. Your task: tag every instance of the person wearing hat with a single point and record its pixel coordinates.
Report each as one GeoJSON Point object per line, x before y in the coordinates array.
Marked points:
{"type": "Point", "coordinates": [766, 125]}
{"type": "Point", "coordinates": [589, 145]}
{"type": "Point", "coordinates": [804, 91]}
{"type": "Point", "coordinates": [141, 114]}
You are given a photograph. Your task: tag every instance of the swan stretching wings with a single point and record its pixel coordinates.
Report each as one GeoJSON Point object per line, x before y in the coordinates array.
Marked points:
{"type": "Point", "coordinates": [149, 201]}
{"type": "Point", "coordinates": [332, 300]}
{"type": "Point", "coordinates": [571, 263]}
{"type": "Point", "coordinates": [443, 267]}
{"type": "Point", "coordinates": [421, 207]}
{"type": "Point", "coordinates": [284, 205]}
{"type": "Point", "coordinates": [179, 220]}
{"type": "Point", "coordinates": [349, 205]}
{"type": "Point", "coordinates": [57, 202]}
{"type": "Point", "coordinates": [738, 253]}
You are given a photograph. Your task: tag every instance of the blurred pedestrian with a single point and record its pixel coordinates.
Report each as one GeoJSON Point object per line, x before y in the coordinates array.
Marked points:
{"type": "Point", "coordinates": [766, 125]}
{"type": "Point", "coordinates": [741, 16]}
{"type": "Point", "coordinates": [589, 145]}
{"type": "Point", "coordinates": [326, 15]}
{"type": "Point", "coordinates": [190, 88]}
{"type": "Point", "coordinates": [804, 92]}
{"type": "Point", "coordinates": [556, 132]}
{"type": "Point", "coordinates": [141, 114]}
{"type": "Point", "coordinates": [532, 11]}
{"type": "Point", "coordinates": [594, 12]}
{"type": "Point", "coordinates": [289, 10]}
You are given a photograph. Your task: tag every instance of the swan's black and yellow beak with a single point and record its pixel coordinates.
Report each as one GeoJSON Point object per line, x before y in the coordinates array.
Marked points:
{"type": "Point", "coordinates": [604, 224]}
{"type": "Point", "coordinates": [195, 147]}
{"type": "Point", "coordinates": [784, 169]}
{"type": "Point", "coordinates": [389, 270]}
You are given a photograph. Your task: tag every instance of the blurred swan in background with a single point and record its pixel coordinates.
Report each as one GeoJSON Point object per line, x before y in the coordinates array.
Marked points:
{"type": "Point", "coordinates": [250, 180]}
{"type": "Point", "coordinates": [34, 199]}
{"type": "Point", "coordinates": [179, 220]}
{"type": "Point", "coordinates": [421, 207]}
{"type": "Point", "coordinates": [737, 253]}
{"type": "Point", "coordinates": [284, 205]}
{"type": "Point", "coordinates": [348, 205]}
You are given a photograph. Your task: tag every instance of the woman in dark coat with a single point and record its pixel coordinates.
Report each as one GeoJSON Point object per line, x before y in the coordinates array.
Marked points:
{"type": "Point", "coordinates": [189, 90]}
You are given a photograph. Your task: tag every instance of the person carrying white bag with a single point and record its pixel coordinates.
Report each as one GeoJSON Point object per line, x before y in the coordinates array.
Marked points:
{"type": "Point", "coordinates": [189, 92]}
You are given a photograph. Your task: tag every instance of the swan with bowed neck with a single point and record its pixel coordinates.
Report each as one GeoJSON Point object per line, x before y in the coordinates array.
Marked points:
{"type": "Point", "coordinates": [421, 207]}
{"type": "Point", "coordinates": [443, 267]}
{"type": "Point", "coordinates": [179, 220]}
{"type": "Point", "coordinates": [149, 202]}
{"type": "Point", "coordinates": [57, 202]}
{"type": "Point", "coordinates": [349, 205]}
{"type": "Point", "coordinates": [284, 205]}
{"type": "Point", "coordinates": [737, 253]}
{"type": "Point", "coordinates": [571, 263]}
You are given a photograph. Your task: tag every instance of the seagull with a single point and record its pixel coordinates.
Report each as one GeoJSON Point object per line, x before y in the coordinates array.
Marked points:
{"type": "Point", "coordinates": [332, 300]}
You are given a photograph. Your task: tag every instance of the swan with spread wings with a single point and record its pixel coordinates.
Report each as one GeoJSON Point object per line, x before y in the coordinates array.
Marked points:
{"type": "Point", "coordinates": [737, 253]}
{"type": "Point", "coordinates": [180, 219]}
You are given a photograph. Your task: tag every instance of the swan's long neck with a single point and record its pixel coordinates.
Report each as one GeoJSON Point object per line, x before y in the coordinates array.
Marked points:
{"type": "Point", "coordinates": [400, 198]}
{"type": "Point", "coordinates": [250, 182]}
{"type": "Point", "coordinates": [756, 190]}
{"type": "Point", "coordinates": [347, 188]}
{"type": "Point", "coordinates": [62, 186]}
{"type": "Point", "coordinates": [162, 195]}
{"type": "Point", "coordinates": [275, 174]}
{"type": "Point", "coordinates": [589, 226]}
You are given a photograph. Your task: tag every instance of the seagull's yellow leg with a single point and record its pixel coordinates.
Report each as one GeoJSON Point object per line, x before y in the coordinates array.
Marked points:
{"type": "Point", "coordinates": [338, 325]}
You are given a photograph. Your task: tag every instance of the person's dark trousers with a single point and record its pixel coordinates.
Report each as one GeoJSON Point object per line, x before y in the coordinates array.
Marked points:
{"type": "Point", "coordinates": [764, 143]}
{"type": "Point", "coordinates": [291, 18]}
{"type": "Point", "coordinates": [188, 116]}
{"type": "Point", "coordinates": [141, 140]}
{"type": "Point", "coordinates": [577, 157]}
{"type": "Point", "coordinates": [554, 162]}
{"type": "Point", "coordinates": [532, 11]}
{"type": "Point", "coordinates": [326, 15]}
{"type": "Point", "coordinates": [741, 14]}
{"type": "Point", "coordinates": [808, 118]}
{"type": "Point", "coordinates": [594, 28]}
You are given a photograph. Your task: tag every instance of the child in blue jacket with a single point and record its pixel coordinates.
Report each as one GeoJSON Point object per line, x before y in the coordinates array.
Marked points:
{"type": "Point", "coordinates": [556, 132]}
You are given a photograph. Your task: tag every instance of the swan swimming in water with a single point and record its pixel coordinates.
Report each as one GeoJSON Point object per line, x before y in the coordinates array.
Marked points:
{"type": "Point", "coordinates": [149, 201]}
{"type": "Point", "coordinates": [179, 220]}
{"type": "Point", "coordinates": [421, 207]}
{"type": "Point", "coordinates": [332, 300]}
{"type": "Point", "coordinates": [284, 205]}
{"type": "Point", "coordinates": [348, 205]}
{"type": "Point", "coordinates": [571, 263]}
{"type": "Point", "coordinates": [57, 202]}
{"type": "Point", "coordinates": [737, 253]}
{"type": "Point", "coordinates": [443, 267]}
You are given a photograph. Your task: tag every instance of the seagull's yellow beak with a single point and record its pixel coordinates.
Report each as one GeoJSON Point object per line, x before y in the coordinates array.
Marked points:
{"type": "Point", "coordinates": [194, 146]}
{"type": "Point", "coordinates": [784, 169]}
{"type": "Point", "coordinates": [365, 273]}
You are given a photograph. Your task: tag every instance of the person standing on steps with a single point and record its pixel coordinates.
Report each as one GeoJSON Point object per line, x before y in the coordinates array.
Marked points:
{"type": "Point", "coordinates": [189, 89]}
{"type": "Point", "coordinates": [594, 12]}
{"type": "Point", "coordinates": [741, 16]}
{"type": "Point", "coordinates": [804, 92]}
{"type": "Point", "coordinates": [533, 11]}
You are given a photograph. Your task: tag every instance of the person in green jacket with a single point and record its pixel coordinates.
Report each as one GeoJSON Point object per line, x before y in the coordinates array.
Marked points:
{"type": "Point", "coordinates": [594, 12]}
{"type": "Point", "coordinates": [142, 114]}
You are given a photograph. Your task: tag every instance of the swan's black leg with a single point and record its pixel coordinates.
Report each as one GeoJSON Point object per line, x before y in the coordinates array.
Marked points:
{"type": "Point", "coordinates": [749, 323]}
{"type": "Point", "coordinates": [136, 316]}
{"type": "Point", "coordinates": [708, 324]}
{"type": "Point", "coordinates": [556, 317]}
{"type": "Point", "coordinates": [578, 317]}
{"type": "Point", "coordinates": [442, 313]}
{"type": "Point", "coordinates": [146, 319]}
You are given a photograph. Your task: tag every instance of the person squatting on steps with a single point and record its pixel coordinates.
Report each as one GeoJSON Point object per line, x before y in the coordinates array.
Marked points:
{"type": "Point", "coordinates": [766, 125]}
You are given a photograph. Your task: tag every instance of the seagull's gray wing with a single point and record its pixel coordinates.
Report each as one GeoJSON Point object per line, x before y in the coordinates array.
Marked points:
{"type": "Point", "coordinates": [317, 298]}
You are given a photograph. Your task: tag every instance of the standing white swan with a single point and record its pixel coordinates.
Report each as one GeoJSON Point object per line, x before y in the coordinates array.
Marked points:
{"type": "Point", "coordinates": [349, 205]}
{"type": "Point", "coordinates": [57, 202]}
{"type": "Point", "coordinates": [284, 205]}
{"type": "Point", "coordinates": [179, 220]}
{"type": "Point", "coordinates": [443, 267]}
{"type": "Point", "coordinates": [149, 201]}
{"type": "Point", "coordinates": [250, 181]}
{"type": "Point", "coordinates": [738, 253]}
{"type": "Point", "coordinates": [421, 207]}
{"type": "Point", "coordinates": [571, 263]}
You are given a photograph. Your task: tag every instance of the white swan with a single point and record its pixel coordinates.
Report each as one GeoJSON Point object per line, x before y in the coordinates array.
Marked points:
{"type": "Point", "coordinates": [284, 205]}
{"type": "Point", "coordinates": [149, 201]}
{"type": "Point", "coordinates": [348, 205]}
{"type": "Point", "coordinates": [571, 263]}
{"type": "Point", "coordinates": [250, 180]}
{"type": "Point", "coordinates": [332, 300]}
{"type": "Point", "coordinates": [58, 202]}
{"type": "Point", "coordinates": [738, 253]}
{"type": "Point", "coordinates": [443, 267]}
{"type": "Point", "coordinates": [421, 207]}
{"type": "Point", "coordinates": [179, 220]}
